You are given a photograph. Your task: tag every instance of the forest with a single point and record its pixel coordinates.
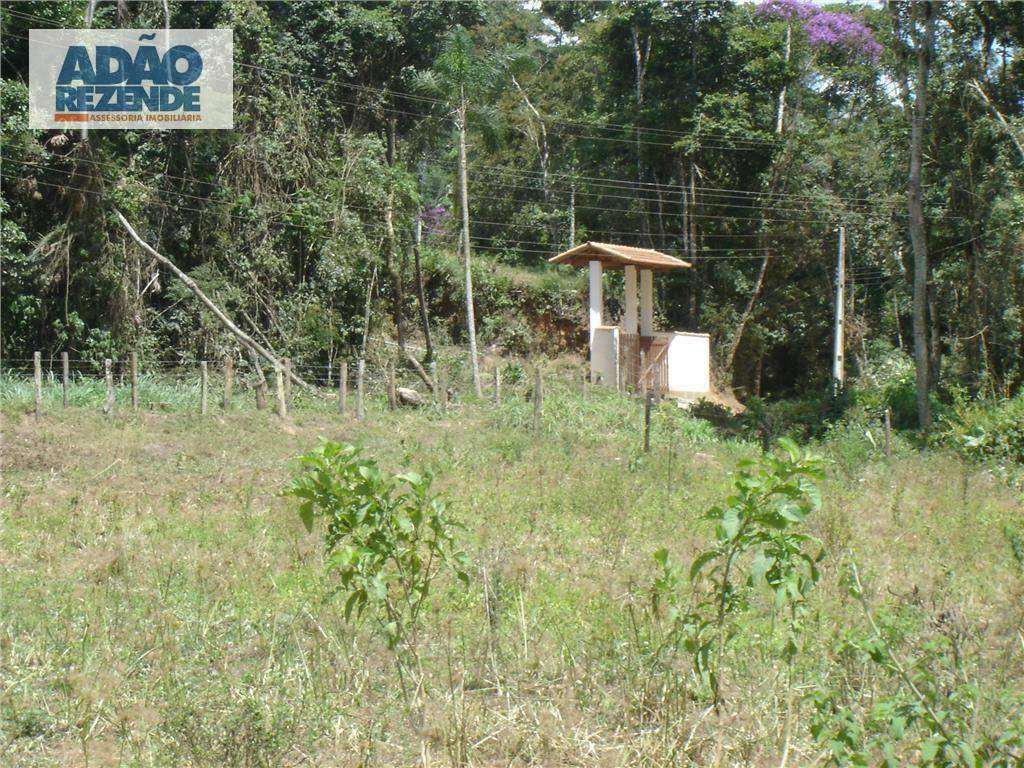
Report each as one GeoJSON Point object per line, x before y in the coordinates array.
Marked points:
{"type": "Point", "coordinates": [738, 136]}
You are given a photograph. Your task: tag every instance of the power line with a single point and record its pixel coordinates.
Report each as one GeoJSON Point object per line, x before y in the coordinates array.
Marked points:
{"type": "Point", "coordinates": [500, 199]}
{"type": "Point", "coordinates": [373, 226]}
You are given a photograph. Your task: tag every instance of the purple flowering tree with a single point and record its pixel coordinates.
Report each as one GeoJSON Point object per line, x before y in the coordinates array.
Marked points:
{"type": "Point", "coordinates": [790, 10]}
{"type": "Point", "coordinates": [823, 29]}
{"type": "Point", "coordinates": [434, 219]}
{"type": "Point", "coordinates": [840, 30]}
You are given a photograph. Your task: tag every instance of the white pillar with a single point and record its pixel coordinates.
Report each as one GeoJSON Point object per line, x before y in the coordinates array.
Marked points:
{"type": "Point", "coordinates": [646, 302]}
{"type": "Point", "coordinates": [596, 298]}
{"type": "Point", "coordinates": [629, 319]}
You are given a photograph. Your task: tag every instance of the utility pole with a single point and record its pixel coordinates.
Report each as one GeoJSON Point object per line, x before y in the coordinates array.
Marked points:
{"type": "Point", "coordinates": [838, 371]}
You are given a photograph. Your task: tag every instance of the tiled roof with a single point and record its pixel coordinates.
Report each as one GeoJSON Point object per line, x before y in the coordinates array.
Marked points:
{"type": "Point", "coordinates": [618, 256]}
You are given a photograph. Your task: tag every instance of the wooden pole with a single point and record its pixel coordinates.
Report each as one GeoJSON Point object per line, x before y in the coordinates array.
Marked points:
{"type": "Point", "coordinates": [443, 394]}
{"type": "Point", "coordinates": [648, 402]}
{"type": "Point", "coordinates": [537, 395]}
{"type": "Point", "coordinates": [643, 374]}
{"type": "Point", "coordinates": [433, 378]}
{"type": "Point", "coordinates": [261, 381]}
{"type": "Point", "coordinates": [390, 368]}
{"type": "Point", "coordinates": [282, 406]}
{"type": "Point", "coordinates": [37, 381]}
{"type": "Point", "coordinates": [66, 375]}
{"type": "Point", "coordinates": [360, 374]}
{"type": "Point", "coordinates": [288, 383]}
{"type": "Point", "coordinates": [888, 433]}
{"type": "Point", "coordinates": [203, 386]}
{"type": "Point", "coordinates": [108, 375]}
{"type": "Point", "coordinates": [133, 362]}
{"type": "Point", "coordinates": [342, 387]}
{"type": "Point", "coordinates": [497, 387]}
{"type": "Point", "coordinates": [229, 381]}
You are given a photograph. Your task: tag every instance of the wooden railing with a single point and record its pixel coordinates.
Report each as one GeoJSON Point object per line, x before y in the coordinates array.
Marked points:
{"type": "Point", "coordinates": [643, 363]}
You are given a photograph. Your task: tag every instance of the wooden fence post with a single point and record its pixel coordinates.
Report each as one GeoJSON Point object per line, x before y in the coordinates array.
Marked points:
{"type": "Point", "coordinates": [288, 383]}
{"type": "Point", "coordinates": [66, 375]}
{"type": "Point", "coordinates": [108, 376]}
{"type": "Point", "coordinates": [392, 396]}
{"type": "Point", "coordinates": [282, 406]}
{"type": "Point", "coordinates": [433, 378]}
{"type": "Point", "coordinates": [648, 402]}
{"type": "Point", "coordinates": [133, 362]}
{"type": "Point", "coordinates": [203, 385]}
{"type": "Point", "coordinates": [342, 387]}
{"type": "Point", "coordinates": [360, 375]}
{"type": "Point", "coordinates": [643, 374]}
{"type": "Point", "coordinates": [229, 381]}
{"type": "Point", "coordinates": [497, 387]}
{"type": "Point", "coordinates": [537, 395]}
{"type": "Point", "coordinates": [261, 381]}
{"type": "Point", "coordinates": [888, 433]}
{"type": "Point", "coordinates": [444, 390]}
{"type": "Point", "coordinates": [37, 382]}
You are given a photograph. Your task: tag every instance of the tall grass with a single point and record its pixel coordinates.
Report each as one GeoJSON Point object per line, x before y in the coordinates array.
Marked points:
{"type": "Point", "coordinates": [162, 604]}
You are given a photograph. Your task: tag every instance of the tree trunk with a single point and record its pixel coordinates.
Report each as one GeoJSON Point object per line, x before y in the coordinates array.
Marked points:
{"type": "Point", "coordinates": [391, 245]}
{"type": "Point", "coordinates": [572, 211]}
{"type": "Point", "coordinates": [464, 205]}
{"type": "Point", "coordinates": [641, 57]}
{"type": "Point", "coordinates": [916, 213]}
{"type": "Point", "coordinates": [420, 292]}
{"type": "Point", "coordinates": [542, 143]}
{"type": "Point", "coordinates": [934, 335]}
{"type": "Point", "coordinates": [782, 94]}
{"type": "Point", "coordinates": [737, 336]}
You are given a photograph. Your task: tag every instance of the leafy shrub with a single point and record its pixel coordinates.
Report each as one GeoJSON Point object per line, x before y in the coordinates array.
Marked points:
{"type": "Point", "coordinates": [930, 706]}
{"type": "Point", "coordinates": [888, 381]}
{"type": "Point", "coordinates": [984, 431]}
{"type": "Point", "coordinates": [387, 537]}
{"type": "Point", "coordinates": [757, 547]}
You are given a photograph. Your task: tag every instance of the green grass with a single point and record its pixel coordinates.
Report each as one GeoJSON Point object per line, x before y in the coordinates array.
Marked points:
{"type": "Point", "coordinates": [163, 605]}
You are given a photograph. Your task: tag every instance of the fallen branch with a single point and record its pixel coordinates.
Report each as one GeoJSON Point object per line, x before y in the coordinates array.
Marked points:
{"type": "Point", "coordinates": [226, 321]}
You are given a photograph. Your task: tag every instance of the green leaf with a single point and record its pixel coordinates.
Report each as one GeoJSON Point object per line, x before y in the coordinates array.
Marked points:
{"type": "Point", "coordinates": [731, 523]}
{"type": "Point", "coordinates": [702, 559]}
{"type": "Point", "coordinates": [790, 447]}
{"type": "Point", "coordinates": [306, 513]}
{"type": "Point", "coordinates": [791, 512]}
{"type": "Point", "coordinates": [929, 749]}
{"type": "Point", "coordinates": [759, 567]}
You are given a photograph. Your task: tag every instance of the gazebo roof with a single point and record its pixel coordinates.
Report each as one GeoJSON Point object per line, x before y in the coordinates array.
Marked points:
{"type": "Point", "coordinates": [617, 257]}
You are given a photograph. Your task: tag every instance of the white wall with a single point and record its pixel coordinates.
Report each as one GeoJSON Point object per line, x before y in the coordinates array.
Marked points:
{"type": "Point", "coordinates": [604, 355]}
{"type": "Point", "coordinates": [689, 362]}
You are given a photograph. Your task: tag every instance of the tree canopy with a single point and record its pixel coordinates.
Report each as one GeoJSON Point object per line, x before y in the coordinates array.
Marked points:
{"type": "Point", "coordinates": [736, 135]}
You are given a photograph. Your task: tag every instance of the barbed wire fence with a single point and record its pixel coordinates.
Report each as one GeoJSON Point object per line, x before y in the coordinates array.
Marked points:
{"type": "Point", "coordinates": [349, 386]}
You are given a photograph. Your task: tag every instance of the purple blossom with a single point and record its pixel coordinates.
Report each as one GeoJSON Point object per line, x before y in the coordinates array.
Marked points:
{"type": "Point", "coordinates": [787, 9]}
{"type": "Point", "coordinates": [841, 30]}
{"type": "Point", "coordinates": [825, 28]}
{"type": "Point", "coordinates": [433, 219]}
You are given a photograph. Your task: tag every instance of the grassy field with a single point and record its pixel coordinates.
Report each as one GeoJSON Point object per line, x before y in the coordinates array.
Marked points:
{"type": "Point", "coordinates": [163, 605]}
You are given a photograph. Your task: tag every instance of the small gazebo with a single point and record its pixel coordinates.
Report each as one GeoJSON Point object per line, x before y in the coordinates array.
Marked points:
{"type": "Point", "coordinates": [633, 355]}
